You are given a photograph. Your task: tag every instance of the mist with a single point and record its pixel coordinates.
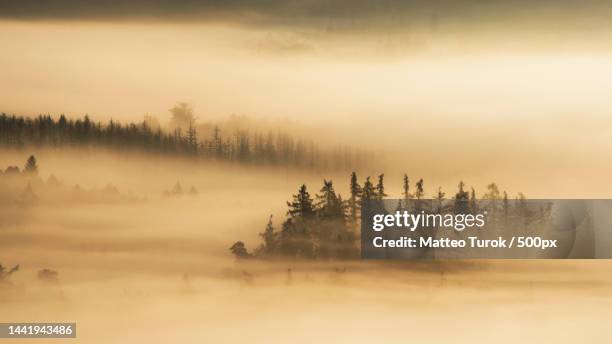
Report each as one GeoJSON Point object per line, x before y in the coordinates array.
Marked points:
{"type": "Point", "coordinates": [427, 100]}
{"type": "Point", "coordinates": [155, 268]}
{"type": "Point", "coordinates": [138, 244]}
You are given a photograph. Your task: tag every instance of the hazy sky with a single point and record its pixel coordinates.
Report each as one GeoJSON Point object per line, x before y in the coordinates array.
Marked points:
{"type": "Point", "coordinates": [523, 82]}
{"type": "Point", "coordinates": [313, 58]}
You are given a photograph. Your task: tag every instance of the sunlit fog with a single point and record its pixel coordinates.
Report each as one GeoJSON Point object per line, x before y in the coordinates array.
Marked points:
{"type": "Point", "coordinates": [151, 154]}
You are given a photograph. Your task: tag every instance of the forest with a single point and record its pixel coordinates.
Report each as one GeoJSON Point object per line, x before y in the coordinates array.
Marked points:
{"type": "Point", "coordinates": [182, 137]}
{"type": "Point", "coordinates": [327, 226]}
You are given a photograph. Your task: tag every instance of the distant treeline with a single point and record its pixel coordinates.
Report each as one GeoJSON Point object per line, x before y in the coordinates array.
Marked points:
{"type": "Point", "coordinates": [272, 148]}
{"type": "Point", "coordinates": [25, 187]}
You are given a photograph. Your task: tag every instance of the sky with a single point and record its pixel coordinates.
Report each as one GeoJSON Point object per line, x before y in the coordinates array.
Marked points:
{"type": "Point", "coordinates": [461, 83]}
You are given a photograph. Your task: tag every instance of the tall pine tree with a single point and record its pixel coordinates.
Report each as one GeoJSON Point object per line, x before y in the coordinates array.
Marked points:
{"type": "Point", "coordinates": [329, 205]}
{"type": "Point", "coordinates": [301, 205]}
{"type": "Point", "coordinates": [420, 192]}
{"type": "Point", "coordinates": [269, 238]}
{"type": "Point", "coordinates": [368, 192]}
{"type": "Point", "coordinates": [380, 187]}
{"type": "Point", "coordinates": [31, 167]}
{"type": "Point", "coordinates": [355, 199]}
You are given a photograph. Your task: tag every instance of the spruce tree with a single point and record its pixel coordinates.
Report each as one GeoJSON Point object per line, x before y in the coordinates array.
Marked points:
{"type": "Point", "coordinates": [355, 199]}
{"type": "Point", "coordinates": [216, 148]}
{"type": "Point", "coordinates": [492, 192]}
{"type": "Point", "coordinates": [461, 199]}
{"type": "Point", "coordinates": [380, 187]}
{"type": "Point", "coordinates": [328, 203]}
{"type": "Point", "coordinates": [269, 237]}
{"type": "Point", "coordinates": [368, 192]}
{"type": "Point", "coordinates": [296, 237]}
{"type": "Point", "coordinates": [420, 192]}
{"type": "Point", "coordinates": [301, 205]}
{"type": "Point", "coordinates": [473, 203]}
{"type": "Point", "coordinates": [192, 139]}
{"type": "Point", "coordinates": [177, 190]}
{"type": "Point", "coordinates": [440, 198]}
{"type": "Point", "coordinates": [406, 189]}
{"type": "Point", "coordinates": [31, 167]}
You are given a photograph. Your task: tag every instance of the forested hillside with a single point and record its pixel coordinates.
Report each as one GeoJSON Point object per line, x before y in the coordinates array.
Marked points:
{"type": "Point", "coordinates": [243, 146]}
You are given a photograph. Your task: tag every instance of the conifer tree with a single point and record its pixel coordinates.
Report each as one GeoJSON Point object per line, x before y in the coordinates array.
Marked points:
{"type": "Point", "coordinates": [462, 194]}
{"type": "Point", "coordinates": [31, 167]}
{"type": "Point", "coordinates": [177, 190]}
{"type": "Point", "coordinates": [269, 237]}
{"type": "Point", "coordinates": [440, 198]}
{"type": "Point", "coordinates": [380, 187]}
{"type": "Point", "coordinates": [420, 192]}
{"type": "Point", "coordinates": [406, 190]}
{"type": "Point", "coordinates": [328, 203]}
{"type": "Point", "coordinates": [301, 205]}
{"type": "Point", "coordinates": [492, 192]}
{"type": "Point", "coordinates": [192, 138]}
{"type": "Point", "coordinates": [216, 146]}
{"type": "Point", "coordinates": [473, 203]}
{"type": "Point", "coordinates": [355, 199]}
{"type": "Point", "coordinates": [368, 192]}
{"type": "Point", "coordinates": [493, 196]}
{"type": "Point", "coordinates": [461, 199]}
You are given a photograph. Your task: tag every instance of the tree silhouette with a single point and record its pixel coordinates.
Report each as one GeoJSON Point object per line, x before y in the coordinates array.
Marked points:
{"type": "Point", "coordinates": [354, 202]}
{"type": "Point", "coordinates": [301, 205]}
{"type": "Point", "coordinates": [492, 192]}
{"type": "Point", "coordinates": [269, 238]}
{"type": "Point", "coordinates": [406, 189]}
{"type": "Point", "coordinates": [192, 139]}
{"type": "Point", "coordinates": [380, 187]}
{"type": "Point", "coordinates": [239, 250]}
{"type": "Point", "coordinates": [420, 192]}
{"type": "Point", "coordinates": [369, 192]}
{"type": "Point", "coordinates": [182, 116]}
{"type": "Point", "coordinates": [439, 198]}
{"type": "Point", "coordinates": [31, 167]}
{"type": "Point", "coordinates": [473, 202]}
{"type": "Point", "coordinates": [177, 189]}
{"type": "Point", "coordinates": [461, 199]}
{"type": "Point", "coordinates": [329, 204]}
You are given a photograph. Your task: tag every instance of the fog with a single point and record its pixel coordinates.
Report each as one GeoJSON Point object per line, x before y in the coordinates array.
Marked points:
{"type": "Point", "coordinates": [157, 269]}
{"type": "Point", "coordinates": [510, 92]}
{"type": "Point", "coordinates": [459, 102]}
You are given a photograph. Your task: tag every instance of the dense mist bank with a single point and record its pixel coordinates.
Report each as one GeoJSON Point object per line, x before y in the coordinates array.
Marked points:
{"type": "Point", "coordinates": [166, 260]}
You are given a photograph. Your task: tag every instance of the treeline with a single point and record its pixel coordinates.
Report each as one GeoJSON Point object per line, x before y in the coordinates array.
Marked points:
{"type": "Point", "coordinates": [326, 226]}
{"type": "Point", "coordinates": [24, 187]}
{"type": "Point", "coordinates": [272, 148]}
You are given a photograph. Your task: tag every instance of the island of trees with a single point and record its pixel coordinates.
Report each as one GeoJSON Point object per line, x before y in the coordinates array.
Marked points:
{"type": "Point", "coordinates": [326, 226]}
